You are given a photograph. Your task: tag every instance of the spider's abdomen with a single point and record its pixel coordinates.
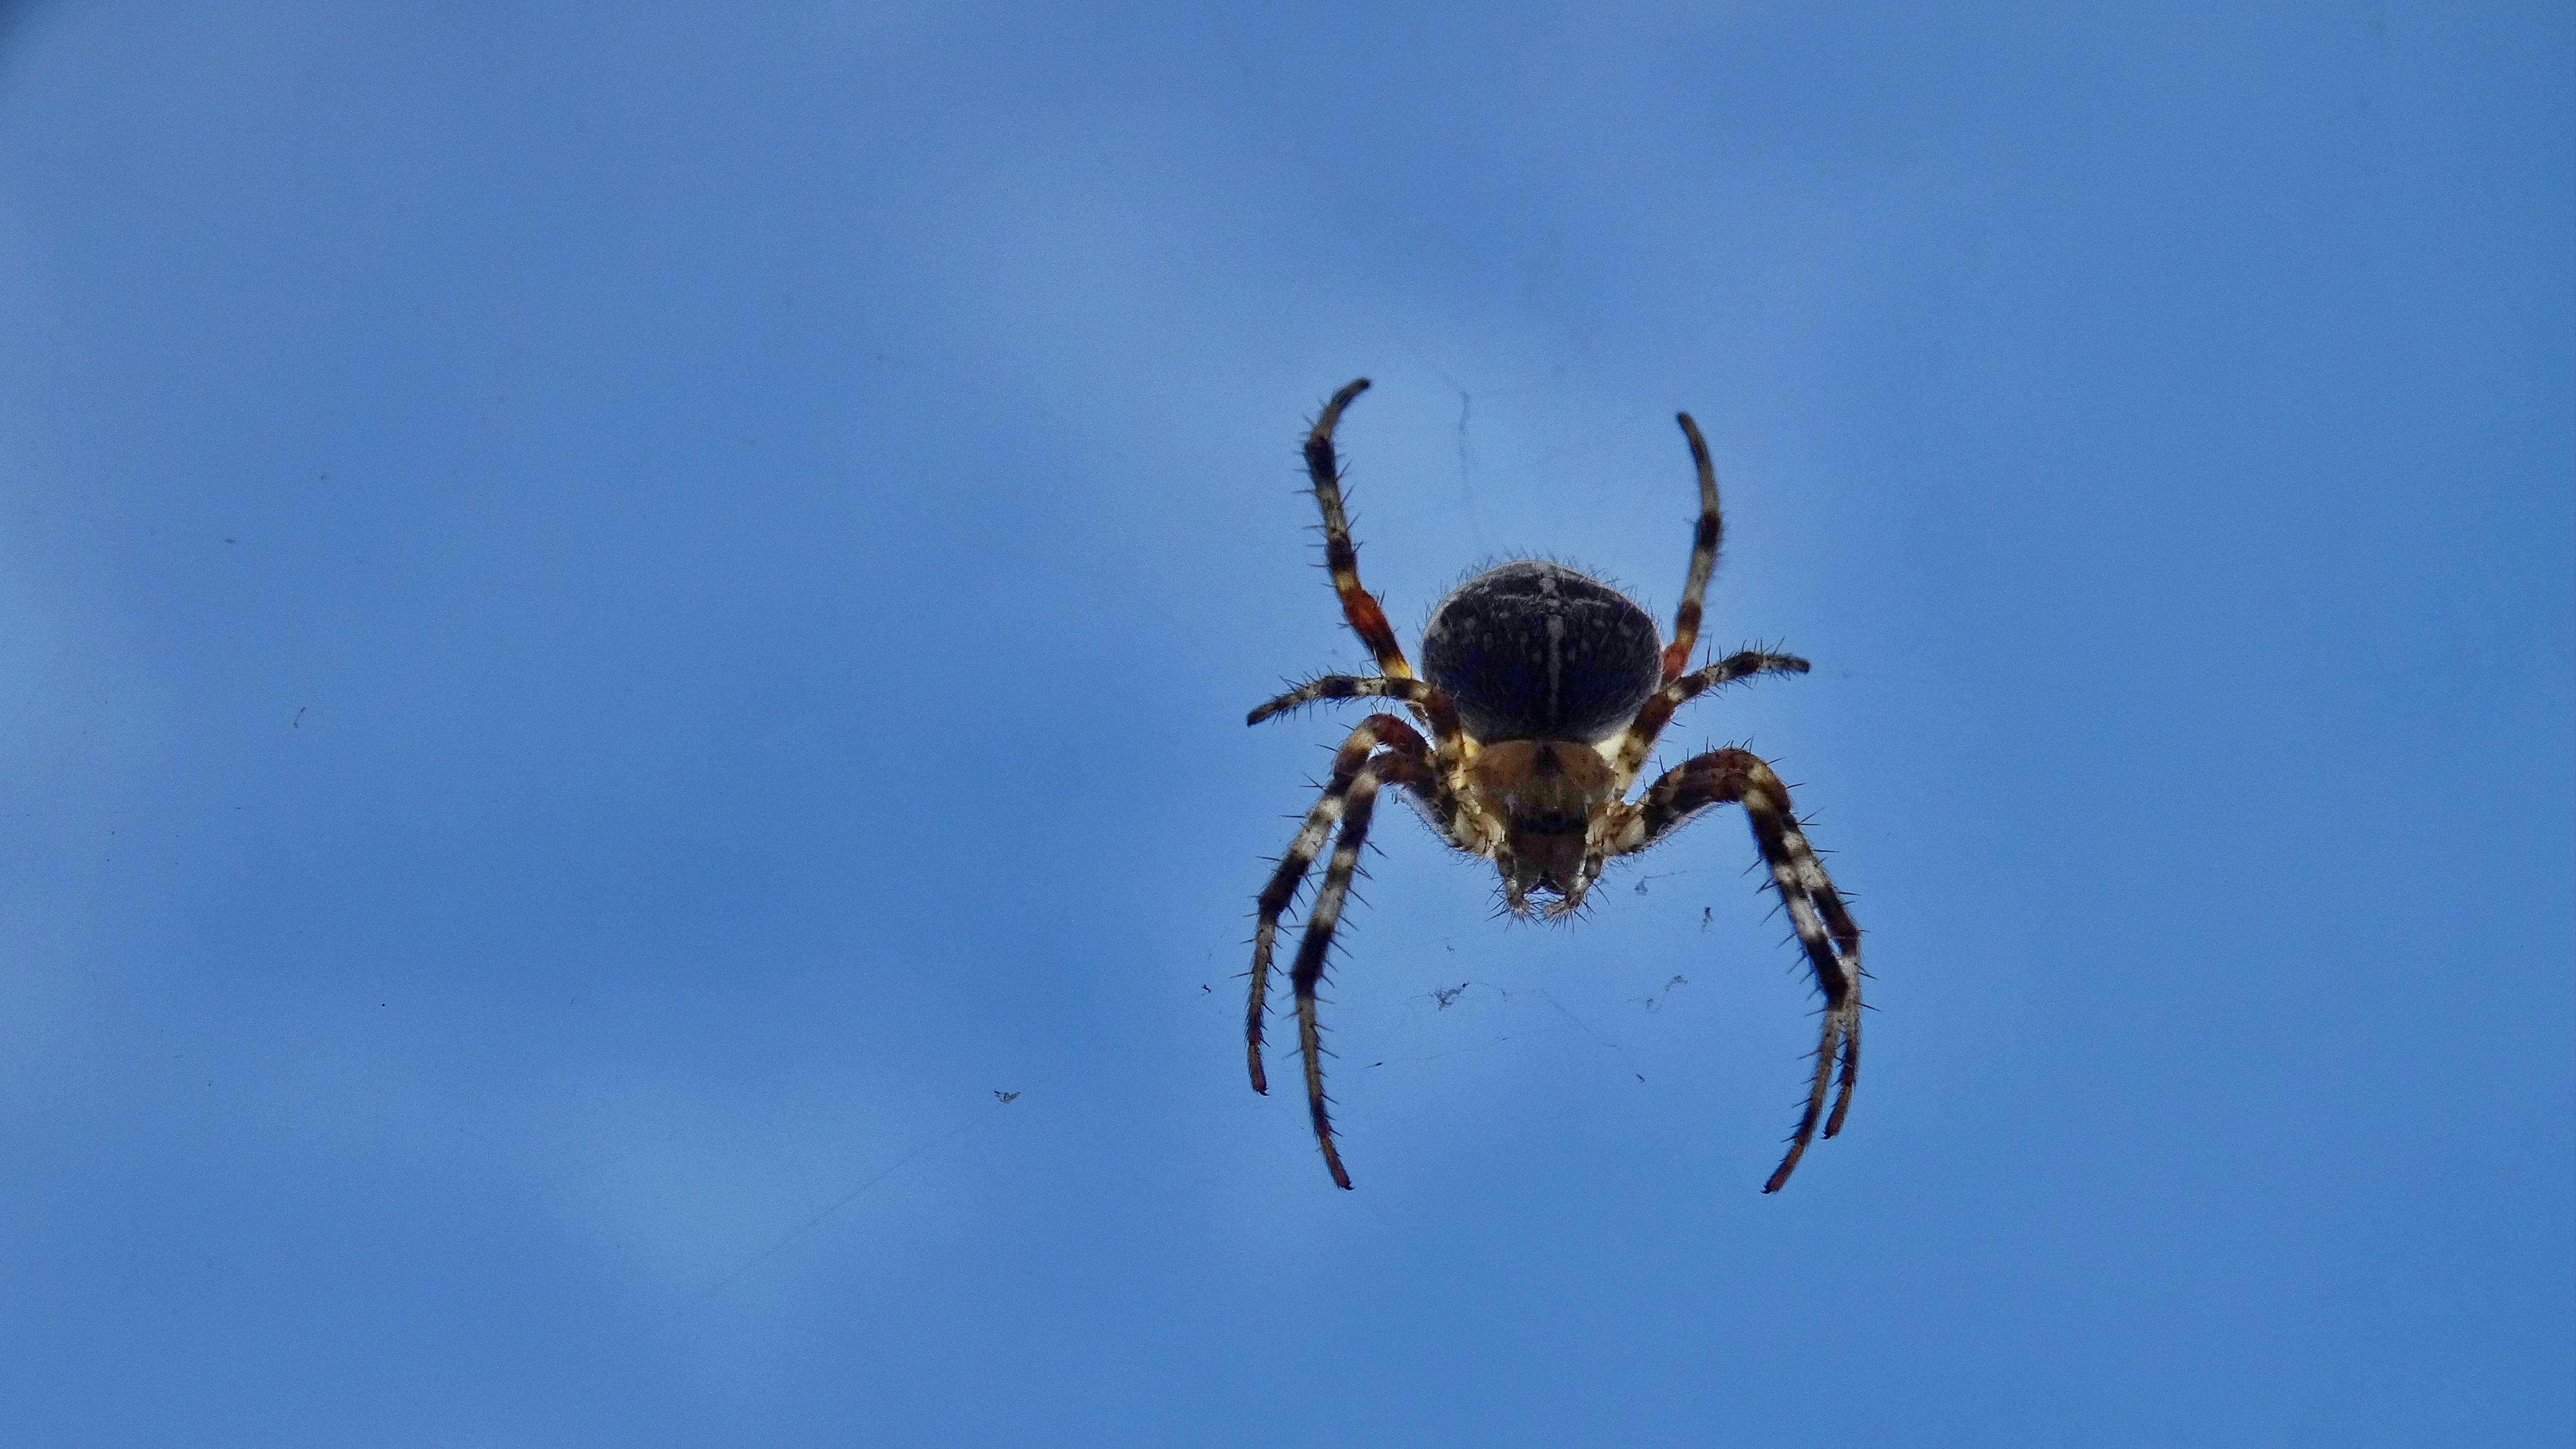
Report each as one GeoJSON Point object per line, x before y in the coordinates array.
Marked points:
{"type": "Point", "coordinates": [1534, 650]}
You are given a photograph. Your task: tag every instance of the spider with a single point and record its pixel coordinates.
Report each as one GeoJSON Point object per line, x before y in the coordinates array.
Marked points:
{"type": "Point", "coordinates": [1543, 690]}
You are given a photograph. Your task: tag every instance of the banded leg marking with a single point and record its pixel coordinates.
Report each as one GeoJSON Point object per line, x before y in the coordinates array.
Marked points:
{"type": "Point", "coordinates": [1341, 555]}
{"type": "Point", "coordinates": [1434, 703]}
{"type": "Point", "coordinates": [1348, 762]}
{"type": "Point", "coordinates": [1703, 561]}
{"type": "Point", "coordinates": [1639, 741]}
{"type": "Point", "coordinates": [1316, 946]}
{"type": "Point", "coordinates": [1825, 928]}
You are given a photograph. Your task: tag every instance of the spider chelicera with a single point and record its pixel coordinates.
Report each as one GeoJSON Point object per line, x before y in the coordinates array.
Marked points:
{"type": "Point", "coordinates": [1543, 690]}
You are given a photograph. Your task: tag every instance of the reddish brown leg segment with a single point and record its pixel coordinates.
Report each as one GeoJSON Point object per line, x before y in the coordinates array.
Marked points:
{"type": "Point", "coordinates": [1341, 555]}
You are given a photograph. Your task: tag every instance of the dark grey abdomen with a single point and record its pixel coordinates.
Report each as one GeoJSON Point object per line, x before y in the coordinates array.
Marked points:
{"type": "Point", "coordinates": [1534, 650]}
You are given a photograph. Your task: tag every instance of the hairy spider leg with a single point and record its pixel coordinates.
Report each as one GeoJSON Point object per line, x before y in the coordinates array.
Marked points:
{"type": "Point", "coordinates": [1816, 910]}
{"type": "Point", "coordinates": [1703, 561]}
{"type": "Point", "coordinates": [1316, 946]}
{"type": "Point", "coordinates": [1348, 762]}
{"type": "Point", "coordinates": [1434, 704]}
{"type": "Point", "coordinates": [1629, 755]}
{"type": "Point", "coordinates": [1342, 556]}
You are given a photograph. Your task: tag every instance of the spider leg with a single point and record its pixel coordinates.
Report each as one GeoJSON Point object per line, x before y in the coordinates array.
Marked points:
{"type": "Point", "coordinates": [1629, 755]}
{"type": "Point", "coordinates": [1703, 562]}
{"type": "Point", "coordinates": [1395, 768]}
{"type": "Point", "coordinates": [1342, 556]}
{"type": "Point", "coordinates": [1825, 929]}
{"type": "Point", "coordinates": [1430, 699]}
{"type": "Point", "coordinates": [1348, 764]}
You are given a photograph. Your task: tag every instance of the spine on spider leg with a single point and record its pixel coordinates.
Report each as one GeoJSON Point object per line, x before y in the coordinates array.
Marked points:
{"type": "Point", "coordinates": [1706, 538]}
{"type": "Point", "coordinates": [1341, 794]}
{"type": "Point", "coordinates": [1276, 896]}
{"type": "Point", "coordinates": [1314, 951]}
{"type": "Point", "coordinates": [1832, 946]}
{"type": "Point", "coordinates": [1341, 555]}
{"type": "Point", "coordinates": [1437, 709]}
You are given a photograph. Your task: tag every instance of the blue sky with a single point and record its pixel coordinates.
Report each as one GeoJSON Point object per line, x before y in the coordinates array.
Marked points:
{"type": "Point", "coordinates": [613, 617]}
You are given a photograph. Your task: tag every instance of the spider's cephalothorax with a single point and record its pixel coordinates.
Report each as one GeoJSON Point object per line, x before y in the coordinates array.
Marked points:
{"type": "Point", "coordinates": [1544, 690]}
